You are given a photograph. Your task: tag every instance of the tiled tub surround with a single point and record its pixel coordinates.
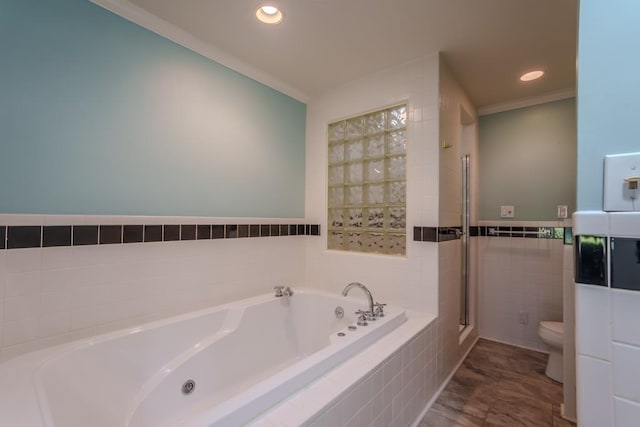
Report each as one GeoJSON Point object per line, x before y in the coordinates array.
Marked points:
{"type": "Point", "coordinates": [393, 383]}
{"type": "Point", "coordinates": [51, 295]}
{"type": "Point", "coordinates": [607, 333]}
{"type": "Point", "coordinates": [299, 342]}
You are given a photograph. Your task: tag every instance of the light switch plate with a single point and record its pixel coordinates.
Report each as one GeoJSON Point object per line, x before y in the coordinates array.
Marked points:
{"type": "Point", "coordinates": [507, 211]}
{"type": "Point", "coordinates": [618, 167]}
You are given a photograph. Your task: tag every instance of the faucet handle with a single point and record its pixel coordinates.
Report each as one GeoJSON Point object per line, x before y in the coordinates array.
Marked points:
{"type": "Point", "coordinates": [362, 317]}
{"type": "Point", "coordinates": [366, 314]}
{"type": "Point", "coordinates": [279, 291]}
{"type": "Point", "coordinates": [379, 309]}
{"type": "Point", "coordinates": [287, 292]}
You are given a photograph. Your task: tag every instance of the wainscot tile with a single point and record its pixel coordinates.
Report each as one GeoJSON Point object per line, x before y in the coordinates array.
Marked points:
{"type": "Point", "coordinates": [110, 234]}
{"type": "Point", "coordinates": [243, 230]}
{"type": "Point", "coordinates": [85, 235]}
{"type": "Point", "coordinates": [171, 232]}
{"type": "Point", "coordinates": [57, 235]}
{"type": "Point", "coordinates": [265, 230]}
{"type": "Point", "coordinates": [217, 231]}
{"type": "Point", "coordinates": [133, 234]}
{"type": "Point", "coordinates": [203, 232]}
{"type": "Point", "coordinates": [188, 232]}
{"type": "Point", "coordinates": [23, 236]}
{"type": "Point", "coordinates": [152, 233]}
{"type": "Point", "coordinates": [231, 231]}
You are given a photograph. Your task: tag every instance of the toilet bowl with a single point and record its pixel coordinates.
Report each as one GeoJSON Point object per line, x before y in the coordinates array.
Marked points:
{"type": "Point", "coordinates": [552, 335]}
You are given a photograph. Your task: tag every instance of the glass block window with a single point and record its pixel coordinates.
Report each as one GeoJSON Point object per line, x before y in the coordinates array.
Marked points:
{"type": "Point", "coordinates": [368, 182]}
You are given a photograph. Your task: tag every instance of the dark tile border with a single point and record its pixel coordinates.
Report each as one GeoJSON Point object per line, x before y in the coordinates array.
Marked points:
{"type": "Point", "coordinates": [22, 237]}
{"type": "Point", "coordinates": [171, 232]}
{"type": "Point", "coordinates": [110, 234]}
{"type": "Point", "coordinates": [591, 259]}
{"type": "Point", "coordinates": [36, 236]}
{"type": "Point", "coordinates": [444, 234]}
{"type": "Point", "coordinates": [85, 235]}
{"type": "Point", "coordinates": [153, 233]}
{"type": "Point", "coordinates": [133, 234]}
{"type": "Point", "coordinates": [57, 235]}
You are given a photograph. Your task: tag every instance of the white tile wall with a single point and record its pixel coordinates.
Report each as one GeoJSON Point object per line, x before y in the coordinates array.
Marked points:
{"type": "Point", "coordinates": [627, 413]}
{"type": "Point", "coordinates": [607, 337]}
{"type": "Point", "coordinates": [595, 406]}
{"type": "Point", "coordinates": [593, 321]}
{"type": "Point", "coordinates": [53, 295]}
{"type": "Point", "coordinates": [405, 281]}
{"type": "Point", "coordinates": [519, 275]}
{"type": "Point", "coordinates": [452, 100]}
{"type": "Point", "coordinates": [626, 372]}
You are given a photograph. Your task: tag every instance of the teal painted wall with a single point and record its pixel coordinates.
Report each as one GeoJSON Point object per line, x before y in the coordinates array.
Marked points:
{"type": "Point", "coordinates": [608, 91]}
{"type": "Point", "coordinates": [528, 160]}
{"type": "Point", "coordinates": [100, 116]}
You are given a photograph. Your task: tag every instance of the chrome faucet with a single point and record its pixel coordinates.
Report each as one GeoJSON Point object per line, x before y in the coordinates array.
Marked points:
{"type": "Point", "coordinates": [282, 291]}
{"type": "Point", "coordinates": [364, 289]}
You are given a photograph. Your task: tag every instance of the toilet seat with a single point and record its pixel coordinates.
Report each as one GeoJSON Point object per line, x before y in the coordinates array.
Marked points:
{"type": "Point", "coordinates": [552, 332]}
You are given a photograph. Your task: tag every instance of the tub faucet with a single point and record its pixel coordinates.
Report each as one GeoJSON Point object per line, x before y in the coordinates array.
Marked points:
{"type": "Point", "coordinates": [347, 288]}
{"type": "Point", "coordinates": [282, 291]}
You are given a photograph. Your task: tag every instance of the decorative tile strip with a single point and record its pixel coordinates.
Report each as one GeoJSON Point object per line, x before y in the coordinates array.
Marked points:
{"type": "Point", "coordinates": [443, 234]}
{"type": "Point", "coordinates": [36, 236]}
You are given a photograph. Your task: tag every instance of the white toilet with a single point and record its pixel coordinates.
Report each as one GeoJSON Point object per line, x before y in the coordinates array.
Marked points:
{"type": "Point", "coordinates": [552, 335]}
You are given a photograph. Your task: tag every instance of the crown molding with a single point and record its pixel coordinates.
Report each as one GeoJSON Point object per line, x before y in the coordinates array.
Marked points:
{"type": "Point", "coordinates": [151, 22]}
{"type": "Point", "coordinates": [556, 95]}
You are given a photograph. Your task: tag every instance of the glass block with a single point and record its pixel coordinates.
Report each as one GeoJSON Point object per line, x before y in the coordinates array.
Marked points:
{"type": "Point", "coordinates": [398, 117]}
{"type": "Point", "coordinates": [376, 194]}
{"type": "Point", "coordinates": [354, 172]}
{"type": "Point", "coordinates": [375, 170]}
{"type": "Point", "coordinates": [375, 218]}
{"type": "Point", "coordinates": [397, 192]}
{"type": "Point", "coordinates": [374, 123]}
{"type": "Point", "coordinates": [375, 146]}
{"type": "Point", "coordinates": [354, 195]}
{"type": "Point", "coordinates": [354, 241]}
{"type": "Point", "coordinates": [336, 218]}
{"type": "Point", "coordinates": [397, 244]}
{"type": "Point", "coordinates": [397, 168]}
{"type": "Point", "coordinates": [336, 175]}
{"type": "Point", "coordinates": [355, 128]}
{"type": "Point", "coordinates": [354, 150]}
{"type": "Point", "coordinates": [397, 218]}
{"type": "Point", "coordinates": [355, 218]}
{"type": "Point", "coordinates": [336, 131]}
{"type": "Point", "coordinates": [398, 142]}
{"type": "Point", "coordinates": [375, 242]}
{"type": "Point", "coordinates": [336, 153]}
{"type": "Point", "coordinates": [336, 240]}
{"type": "Point", "coordinates": [336, 196]}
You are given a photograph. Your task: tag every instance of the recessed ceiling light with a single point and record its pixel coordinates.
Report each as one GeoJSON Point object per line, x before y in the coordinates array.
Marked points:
{"type": "Point", "coordinates": [531, 75]}
{"type": "Point", "coordinates": [269, 14]}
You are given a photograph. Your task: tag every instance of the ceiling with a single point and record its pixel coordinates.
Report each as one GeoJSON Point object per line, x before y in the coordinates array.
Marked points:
{"type": "Point", "coordinates": [325, 43]}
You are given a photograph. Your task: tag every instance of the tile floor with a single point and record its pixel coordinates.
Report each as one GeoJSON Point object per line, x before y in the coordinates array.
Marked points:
{"type": "Point", "coordinates": [499, 385]}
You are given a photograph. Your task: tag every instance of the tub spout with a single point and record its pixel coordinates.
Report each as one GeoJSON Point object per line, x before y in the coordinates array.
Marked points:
{"type": "Point", "coordinates": [364, 289]}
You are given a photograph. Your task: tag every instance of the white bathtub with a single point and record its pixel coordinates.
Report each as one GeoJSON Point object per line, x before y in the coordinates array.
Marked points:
{"type": "Point", "coordinates": [244, 357]}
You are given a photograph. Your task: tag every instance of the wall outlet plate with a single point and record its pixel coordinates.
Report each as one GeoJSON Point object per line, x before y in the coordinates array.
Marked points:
{"type": "Point", "coordinates": [563, 211]}
{"type": "Point", "coordinates": [617, 195]}
{"type": "Point", "coordinates": [507, 211]}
